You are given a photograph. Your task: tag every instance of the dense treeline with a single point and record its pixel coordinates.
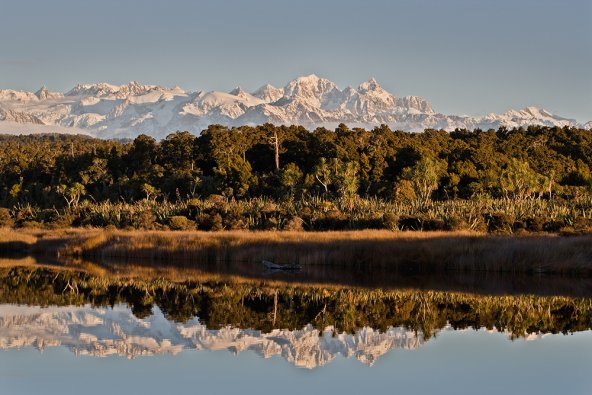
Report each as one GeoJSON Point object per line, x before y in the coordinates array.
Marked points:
{"type": "Point", "coordinates": [280, 163]}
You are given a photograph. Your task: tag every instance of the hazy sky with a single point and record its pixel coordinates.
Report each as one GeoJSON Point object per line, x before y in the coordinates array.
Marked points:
{"type": "Point", "coordinates": [465, 56]}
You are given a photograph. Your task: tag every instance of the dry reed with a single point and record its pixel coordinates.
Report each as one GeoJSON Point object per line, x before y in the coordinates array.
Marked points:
{"type": "Point", "coordinates": [415, 252]}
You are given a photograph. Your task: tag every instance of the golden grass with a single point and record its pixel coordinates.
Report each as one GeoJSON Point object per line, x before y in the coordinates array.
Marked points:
{"type": "Point", "coordinates": [363, 250]}
{"type": "Point", "coordinates": [12, 235]}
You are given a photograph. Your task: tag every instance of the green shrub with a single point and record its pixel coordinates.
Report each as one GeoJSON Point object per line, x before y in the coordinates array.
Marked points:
{"type": "Point", "coordinates": [145, 219]}
{"type": "Point", "coordinates": [519, 226]}
{"type": "Point", "coordinates": [294, 224]}
{"type": "Point", "coordinates": [421, 223]}
{"type": "Point", "coordinates": [390, 221]}
{"type": "Point", "coordinates": [270, 223]}
{"type": "Point", "coordinates": [332, 220]}
{"type": "Point", "coordinates": [483, 214]}
{"type": "Point", "coordinates": [499, 223]}
{"type": "Point", "coordinates": [535, 224]}
{"type": "Point", "coordinates": [553, 226]}
{"type": "Point", "coordinates": [217, 224]}
{"type": "Point", "coordinates": [455, 223]}
{"type": "Point", "coordinates": [180, 222]}
{"type": "Point", "coordinates": [583, 225]}
{"type": "Point", "coordinates": [234, 223]}
{"type": "Point", "coordinates": [49, 215]}
{"type": "Point", "coordinates": [210, 222]}
{"type": "Point", "coordinates": [26, 213]}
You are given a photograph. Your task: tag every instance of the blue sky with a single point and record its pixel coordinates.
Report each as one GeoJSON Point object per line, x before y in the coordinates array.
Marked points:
{"type": "Point", "coordinates": [465, 56]}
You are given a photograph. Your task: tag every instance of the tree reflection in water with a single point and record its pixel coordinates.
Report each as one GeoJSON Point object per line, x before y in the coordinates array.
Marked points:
{"type": "Point", "coordinates": [266, 305]}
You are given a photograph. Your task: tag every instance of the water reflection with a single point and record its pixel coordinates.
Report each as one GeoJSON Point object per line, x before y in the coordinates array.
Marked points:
{"type": "Point", "coordinates": [478, 282]}
{"type": "Point", "coordinates": [490, 283]}
{"type": "Point", "coordinates": [101, 332]}
{"type": "Point", "coordinates": [245, 303]}
{"type": "Point", "coordinates": [116, 331]}
{"type": "Point", "coordinates": [168, 313]}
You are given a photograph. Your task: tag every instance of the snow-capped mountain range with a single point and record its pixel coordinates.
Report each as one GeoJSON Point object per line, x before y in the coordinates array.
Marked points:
{"type": "Point", "coordinates": [106, 110]}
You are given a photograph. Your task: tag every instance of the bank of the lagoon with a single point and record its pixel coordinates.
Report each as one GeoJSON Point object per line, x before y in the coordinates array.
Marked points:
{"type": "Point", "coordinates": [370, 250]}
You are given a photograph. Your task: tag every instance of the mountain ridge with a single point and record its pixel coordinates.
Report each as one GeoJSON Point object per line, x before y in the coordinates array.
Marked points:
{"type": "Point", "coordinates": [107, 110]}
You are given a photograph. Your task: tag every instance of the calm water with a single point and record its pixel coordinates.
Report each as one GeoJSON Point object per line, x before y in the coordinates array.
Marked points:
{"type": "Point", "coordinates": [98, 335]}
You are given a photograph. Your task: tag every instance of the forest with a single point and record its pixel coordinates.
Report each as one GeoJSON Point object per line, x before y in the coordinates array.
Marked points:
{"type": "Point", "coordinates": [287, 177]}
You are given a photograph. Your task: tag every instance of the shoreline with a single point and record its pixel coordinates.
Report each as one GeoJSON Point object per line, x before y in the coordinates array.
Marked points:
{"type": "Point", "coordinates": [374, 250]}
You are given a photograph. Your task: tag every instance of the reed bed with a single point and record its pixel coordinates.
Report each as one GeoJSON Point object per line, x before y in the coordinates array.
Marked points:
{"type": "Point", "coordinates": [412, 252]}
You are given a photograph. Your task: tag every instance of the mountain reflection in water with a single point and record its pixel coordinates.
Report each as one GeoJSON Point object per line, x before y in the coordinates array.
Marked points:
{"type": "Point", "coordinates": [307, 324]}
{"type": "Point", "coordinates": [116, 331]}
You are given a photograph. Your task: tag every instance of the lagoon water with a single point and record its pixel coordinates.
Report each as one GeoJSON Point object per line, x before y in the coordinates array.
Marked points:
{"type": "Point", "coordinates": [71, 350]}
{"type": "Point", "coordinates": [97, 336]}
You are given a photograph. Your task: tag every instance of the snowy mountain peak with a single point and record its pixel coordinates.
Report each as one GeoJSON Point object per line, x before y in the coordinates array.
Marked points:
{"type": "Point", "coordinates": [415, 104]}
{"type": "Point", "coordinates": [312, 91]}
{"type": "Point", "coordinates": [534, 113]}
{"type": "Point", "coordinates": [100, 89]}
{"type": "Point", "coordinates": [132, 88]}
{"type": "Point", "coordinates": [310, 78]}
{"type": "Point", "coordinates": [43, 93]}
{"type": "Point", "coordinates": [370, 85]}
{"type": "Point", "coordinates": [107, 110]}
{"type": "Point", "coordinates": [538, 112]}
{"type": "Point", "coordinates": [307, 86]}
{"type": "Point", "coordinates": [238, 91]}
{"type": "Point", "coordinates": [268, 93]}
{"type": "Point", "coordinates": [10, 95]}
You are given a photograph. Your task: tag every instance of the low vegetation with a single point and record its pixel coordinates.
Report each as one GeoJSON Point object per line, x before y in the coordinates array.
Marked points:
{"type": "Point", "coordinates": [496, 216]}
